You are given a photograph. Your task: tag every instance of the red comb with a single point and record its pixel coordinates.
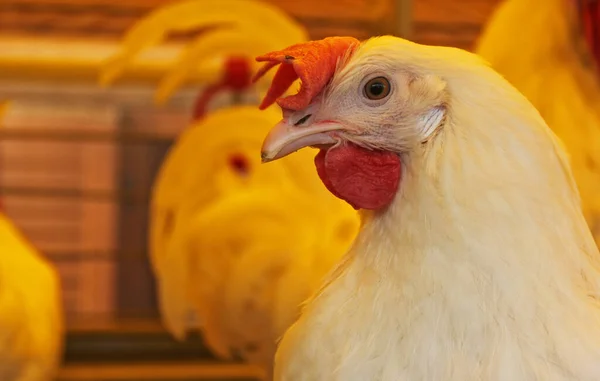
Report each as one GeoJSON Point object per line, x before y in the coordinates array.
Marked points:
{"type": "Point", "coordinates": [314, 62]}
{"type": "Point", "coordinates": [237, 77]}
{"type": "Point", "coordinates": [589, 14]}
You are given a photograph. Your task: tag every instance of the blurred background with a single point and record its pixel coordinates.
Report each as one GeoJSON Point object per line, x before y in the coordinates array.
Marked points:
{"type": "Point", "coordinates": [78, 159]}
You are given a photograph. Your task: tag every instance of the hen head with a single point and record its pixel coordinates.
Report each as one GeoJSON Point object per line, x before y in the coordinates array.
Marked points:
{"type": "Point", "coordinates": [361, 105]}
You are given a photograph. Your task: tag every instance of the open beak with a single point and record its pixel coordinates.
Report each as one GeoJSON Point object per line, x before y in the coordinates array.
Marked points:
{"type": "Point", "coordinates": [285, 138]}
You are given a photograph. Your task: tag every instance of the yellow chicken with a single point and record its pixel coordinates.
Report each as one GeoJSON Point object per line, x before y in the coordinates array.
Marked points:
{"type": "Point", "coordinates": [543, 49]}
{"type": "Point", "coordinates": [31, 314]}
{"type": "Point", "coordinates": [240, 243]}
{"type": "Point", "coordinates": [234, 244]}
{"type": "Point", "coordinates": [31, 318]}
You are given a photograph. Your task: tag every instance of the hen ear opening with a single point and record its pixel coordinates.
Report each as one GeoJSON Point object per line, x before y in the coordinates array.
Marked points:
{"type": "Point", "coordinates": [431, 121]}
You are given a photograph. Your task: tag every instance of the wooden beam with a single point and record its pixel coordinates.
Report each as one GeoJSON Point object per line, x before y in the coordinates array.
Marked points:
{"type": "Point", "coordinates": [81, 59]}
{"type": "Point", "coordinates": [403, 18]}
{"type": "Point", "coordinates": [110, 19]}
{"type": "Point", "coordinates": [162, 372]}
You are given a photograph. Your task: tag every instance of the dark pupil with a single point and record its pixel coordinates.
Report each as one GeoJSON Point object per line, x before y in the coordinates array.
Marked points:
{"type": "Point", "coordinates": [377, 88]}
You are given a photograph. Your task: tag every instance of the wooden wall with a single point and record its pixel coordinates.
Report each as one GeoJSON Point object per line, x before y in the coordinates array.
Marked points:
{"type": "Point", "coordinates": [450, 22]}
{"type": "Point", "coordinates": [446, 22]}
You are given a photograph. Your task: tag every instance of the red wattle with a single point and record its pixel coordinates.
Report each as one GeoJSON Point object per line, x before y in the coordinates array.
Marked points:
{"type": "Point", "coordinates": [363, 178]}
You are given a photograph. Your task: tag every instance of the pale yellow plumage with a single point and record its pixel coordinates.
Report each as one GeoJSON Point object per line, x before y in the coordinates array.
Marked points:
{"type": "Point", "coordinates": [482, 267]}
{"type": "Point", "coordinates": [31, 321]}
{"type": "Point", "coordinates": [537, 47]}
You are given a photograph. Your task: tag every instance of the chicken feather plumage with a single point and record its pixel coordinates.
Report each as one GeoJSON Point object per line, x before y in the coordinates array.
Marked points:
{"type": "Point", "coordinates": [543, 54]}
{"type": "Point", "coordinates": [482, 266]}
{"type": "Point", "coordinates": [242, 250]}
{"type": "Point", "coordinates": [31, 320]}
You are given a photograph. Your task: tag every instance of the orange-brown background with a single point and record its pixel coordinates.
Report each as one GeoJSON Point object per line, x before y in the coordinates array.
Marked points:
{"type": "Point", "coordinates": [102, 255]}
{"type": "Point", "coordinates": [445, 22]}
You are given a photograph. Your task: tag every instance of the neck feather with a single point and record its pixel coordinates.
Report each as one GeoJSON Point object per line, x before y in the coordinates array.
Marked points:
{"type": "Point", "coordinates": [490, 246]}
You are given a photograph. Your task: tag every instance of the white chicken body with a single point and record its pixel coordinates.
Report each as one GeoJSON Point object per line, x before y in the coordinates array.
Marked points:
{"type": "Point", "coordinates": [482, 268]}
{"type": "Point", "coordinates": [31, 324]}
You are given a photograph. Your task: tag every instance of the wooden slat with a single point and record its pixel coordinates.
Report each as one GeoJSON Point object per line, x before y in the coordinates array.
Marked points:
{"type": "Point", "coordinates": [450, 23]}
{"type": "Point", "coordinates": [125, 341]}
{"type": "Point", "coordinates": [373, 10]}
{"type": "Point", "coordinates": [322, 31]}
{"type": "Point", "coordinates": [103, 326]}
{"type": "Point", "coordinates": [143, 4]}
{"type": "Point", "coordinates": [162, 372]}
{"type": "Point", "coordinates": [439, 22]}
{"type": "Point", "coordinates": [449, 12]}
{"type": "Point", "coordinates": [458, 35]}
{"type": "Point", "coordinates": [364, 10]}
{"type": "Point", "coordinates": [110, 18]}
{"type": "Point", "coordinates": [53, 58]}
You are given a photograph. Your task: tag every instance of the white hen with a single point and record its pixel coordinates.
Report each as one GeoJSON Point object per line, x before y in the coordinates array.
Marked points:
{"type": "Point", "coordinates": [474, 264]}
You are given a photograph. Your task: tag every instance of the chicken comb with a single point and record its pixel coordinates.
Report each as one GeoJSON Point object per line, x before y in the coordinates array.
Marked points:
{"type": "Point", "coordinates": [314, 62]}
{"type": "Point", "coordinates": [589, 16]}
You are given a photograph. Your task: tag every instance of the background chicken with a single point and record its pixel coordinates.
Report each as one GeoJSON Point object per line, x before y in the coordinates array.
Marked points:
{"type": "Point", "coordinates": [248, 243]}
{"type": "Point", "coordinates": [31, 325]}
{"type": "Point", "coordinates": [237, 245]}
{"type": "Point", "coordinates": [474, 260]}
{"type": "Point", "coordinates": [31, 314]}
{"type": "Point", "coordinates": [548, 50]}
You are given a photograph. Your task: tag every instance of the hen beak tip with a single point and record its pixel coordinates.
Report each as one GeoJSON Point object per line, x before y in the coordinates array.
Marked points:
{"type": "Point", "coordinates": [285, 138]}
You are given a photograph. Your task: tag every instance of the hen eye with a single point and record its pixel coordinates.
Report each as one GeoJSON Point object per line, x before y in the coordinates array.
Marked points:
{"type": "Point", "coordinates": [239, 164]}
{"type": "Point", "coordinates": [377, 88]}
